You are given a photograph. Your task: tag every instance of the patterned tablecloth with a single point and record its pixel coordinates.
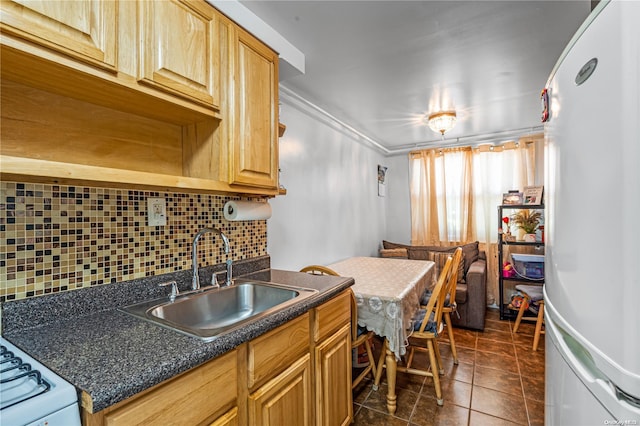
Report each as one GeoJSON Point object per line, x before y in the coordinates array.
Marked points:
{"type": "Point", "coordinates": [388, 294]}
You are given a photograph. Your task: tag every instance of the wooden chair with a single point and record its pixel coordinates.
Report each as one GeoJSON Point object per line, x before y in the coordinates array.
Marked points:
{"type": "Point", "coordinates": [319, 270]}
{"type": "Point", "coordinates": [531, 294]}
{"type": "Point", "coordinates": [450, 300]}
{"type": "Point", "coordinates": [427, 326]}
{"type": "Point", "coordinates": [359, 337]}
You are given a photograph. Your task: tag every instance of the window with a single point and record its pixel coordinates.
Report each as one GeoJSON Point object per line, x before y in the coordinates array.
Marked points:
{"type": "Point", "coordinates": [454, 192]}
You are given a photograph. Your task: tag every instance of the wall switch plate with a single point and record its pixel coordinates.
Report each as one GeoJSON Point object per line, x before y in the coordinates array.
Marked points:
{"type": "Point", "coordinates": [156, 211]}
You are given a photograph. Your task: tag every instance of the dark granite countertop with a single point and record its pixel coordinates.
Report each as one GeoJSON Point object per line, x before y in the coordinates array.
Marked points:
{"type": "Point", "coordinates": [112, 356]}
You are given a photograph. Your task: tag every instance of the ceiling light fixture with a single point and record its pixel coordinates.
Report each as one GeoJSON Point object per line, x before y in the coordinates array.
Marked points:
{"type": "Point", "coordinates": [441, 122]}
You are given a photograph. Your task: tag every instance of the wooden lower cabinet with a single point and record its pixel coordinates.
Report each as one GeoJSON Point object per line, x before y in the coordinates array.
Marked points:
{"type": "Point", "coordinates": [192, 398]}
{"type": "Point", "coordinates": [284, 400]}
{"type": "Point", "coordinates": [276, 350]}
{"type": "Point", "coordinates": [229, 418]}
{"type": "Point", "coordinates": [298, 374]}
{"type": "Point", "coordinates": [333, 379]}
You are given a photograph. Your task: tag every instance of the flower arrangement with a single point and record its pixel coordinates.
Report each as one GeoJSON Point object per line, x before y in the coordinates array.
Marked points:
{"type": "Point", "coordinates": [527, 220]}
{"type": "Point", "coordinates": [506, 235]}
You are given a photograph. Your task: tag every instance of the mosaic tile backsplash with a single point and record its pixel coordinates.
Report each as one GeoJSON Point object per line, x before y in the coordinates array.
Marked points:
{"type": "Point", "coordinates": [57, 238]}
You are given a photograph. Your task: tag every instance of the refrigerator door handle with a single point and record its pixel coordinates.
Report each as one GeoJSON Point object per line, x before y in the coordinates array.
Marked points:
{"type": "Point", "coordinates": [621, 405]}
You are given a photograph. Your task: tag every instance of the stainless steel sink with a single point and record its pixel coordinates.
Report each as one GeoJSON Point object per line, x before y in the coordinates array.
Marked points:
{"type": "Point", "coordinates": [214, 312]}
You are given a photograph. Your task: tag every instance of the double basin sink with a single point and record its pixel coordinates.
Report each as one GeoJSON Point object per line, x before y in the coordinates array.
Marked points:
{"type": "Point", "coordinates": [213, 312]}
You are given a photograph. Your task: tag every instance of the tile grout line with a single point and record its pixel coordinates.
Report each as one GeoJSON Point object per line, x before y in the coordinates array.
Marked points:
{"type": "Point", "coordinates": [473, 380]}
{"type": "Point", "coordinates": [524, 398]}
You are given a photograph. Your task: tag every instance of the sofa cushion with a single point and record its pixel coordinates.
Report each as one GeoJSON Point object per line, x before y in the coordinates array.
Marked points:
{"type": "Point", "coordinates": [400, 253]}
{"type": "Point", "coordinates": [440, 258]}
{"type": "Point", "coordinates": [470, 251]}
{"type": "Point", "coordinates": [389, 245]}
{"type": "Point", "coordinates": [437, 257]}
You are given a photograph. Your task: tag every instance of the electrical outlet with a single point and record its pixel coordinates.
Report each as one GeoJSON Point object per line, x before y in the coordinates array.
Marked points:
{"type": "Point", "coordinates": [156, 211]}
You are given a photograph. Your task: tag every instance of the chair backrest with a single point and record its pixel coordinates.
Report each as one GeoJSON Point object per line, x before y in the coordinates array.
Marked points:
{"type": "Point", "coordinates": [354, 316]}
{"type": "Point", "coordinates": [319, 270]}
{"type": "Point", "coordinates": [436, 301]}
{"type": "Point", "coordinates": [452, 279]}
{"type": "Point", "coordinates": [323, 270]}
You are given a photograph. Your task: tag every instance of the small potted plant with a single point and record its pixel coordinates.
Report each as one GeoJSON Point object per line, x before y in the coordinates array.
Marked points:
{"type": "Point", "coordinates": [527, 222]}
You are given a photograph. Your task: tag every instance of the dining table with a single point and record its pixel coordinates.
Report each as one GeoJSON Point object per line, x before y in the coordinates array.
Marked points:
{"type": "Point", "coordinates": [388, 293]}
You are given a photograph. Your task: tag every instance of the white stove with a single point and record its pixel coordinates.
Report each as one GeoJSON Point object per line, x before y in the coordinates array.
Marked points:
{"type": "Point", "coordinates": [31, 394]}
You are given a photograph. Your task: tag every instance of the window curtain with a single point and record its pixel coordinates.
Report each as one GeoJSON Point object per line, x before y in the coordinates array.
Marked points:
{"type": "Point", "coordinates": [455, 193]}
{"type": "Point", "coordinates": [497, 170]}
{"type": "Point", "coordinates": [442, 202]}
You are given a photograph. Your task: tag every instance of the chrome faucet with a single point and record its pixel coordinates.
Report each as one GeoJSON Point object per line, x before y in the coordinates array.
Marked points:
{"type": "Point", "coordinates": [195, 280]}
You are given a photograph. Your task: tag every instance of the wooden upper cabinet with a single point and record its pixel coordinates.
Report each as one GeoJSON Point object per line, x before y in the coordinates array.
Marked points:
{"type": "Point", "coordinates": [83, 29]}
{"type": "Point", "coordinates": [179, 66]}
{"type": "Point", "coordinates": [254, 147]}
{"type": "Point", "coordinates": [179, 49]}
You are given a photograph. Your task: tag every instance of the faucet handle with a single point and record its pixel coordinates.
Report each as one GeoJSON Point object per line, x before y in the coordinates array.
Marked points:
{"type": "Point", "coordinates": [214, 280]}
{"type": "Point", "coordinates": [229, 280]}
{"type": "Point", "coordinates": [174, 289]}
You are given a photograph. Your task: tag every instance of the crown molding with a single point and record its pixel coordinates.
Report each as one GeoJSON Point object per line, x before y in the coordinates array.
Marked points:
{"type": "Point", "coordinates": [292, 98]}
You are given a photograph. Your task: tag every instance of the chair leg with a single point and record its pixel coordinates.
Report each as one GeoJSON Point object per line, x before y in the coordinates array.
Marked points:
{"type": "Point", "coordinates": [539, 321]}
{"type": "Point", "coordinates": [410, 357]}
{"type": "Point", "coordinates": [367, 346]}
{"type": "Point", "coordinates": [436, 376]}
{"type": "Point", "coordinates": [525, 302]}
{"type": "Point", "coordinates": [355, 382]}
{"type": "Point", "coordinates": [381, 365]}
{"type": "Point", "coordinates": [452, 341]}
{"type": "Point", "coordinates": [440, 365]}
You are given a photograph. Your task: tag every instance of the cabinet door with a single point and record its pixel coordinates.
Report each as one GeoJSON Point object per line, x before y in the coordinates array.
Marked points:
{"type": "Point", "coordinates": [82, 29]}
{"type": "Point", "coordinates": [284, 400]}
{"type": "Point", "coordinates": [254, 150]}
{"type": "Point", "coordinates": [333, 379]}
{"type": "Point", "coordinates": [267, 355]}
{"type": "Point", "coordinates": [178, 49]}
{"type": "Point", "coordinates": [230, 418]}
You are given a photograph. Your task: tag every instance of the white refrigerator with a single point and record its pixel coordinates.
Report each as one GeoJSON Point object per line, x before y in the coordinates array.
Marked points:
{"type": "Point", "coordinates": [592, 224]}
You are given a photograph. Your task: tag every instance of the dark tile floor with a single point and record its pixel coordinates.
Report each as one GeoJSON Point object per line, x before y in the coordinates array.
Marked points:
{"type": "Point", "coordinates": [499, 381]}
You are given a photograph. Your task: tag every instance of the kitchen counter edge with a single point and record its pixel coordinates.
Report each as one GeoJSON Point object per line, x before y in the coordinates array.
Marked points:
{"type": "Point", "coordinates": [111, 356]}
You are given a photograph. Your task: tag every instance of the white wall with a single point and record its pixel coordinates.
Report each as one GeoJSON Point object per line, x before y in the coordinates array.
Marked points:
{"type": "Point", "coordinates": [332, 210]}
{"type": "Point", "coordinates": [398, 201]}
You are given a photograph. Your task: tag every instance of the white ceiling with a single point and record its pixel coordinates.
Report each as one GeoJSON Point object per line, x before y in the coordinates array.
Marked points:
{"type": "Point", "coordinates": [380, 66]}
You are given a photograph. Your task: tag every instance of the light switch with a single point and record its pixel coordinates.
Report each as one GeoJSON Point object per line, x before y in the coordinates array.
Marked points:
{"type": "Point", "coordinates": [156, 211]}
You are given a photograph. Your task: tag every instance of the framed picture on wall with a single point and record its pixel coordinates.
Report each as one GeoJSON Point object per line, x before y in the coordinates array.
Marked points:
{"type": "Point", "coordinates": [382, 175]}
{"type": "Point", "coordinates": [533, 194]}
